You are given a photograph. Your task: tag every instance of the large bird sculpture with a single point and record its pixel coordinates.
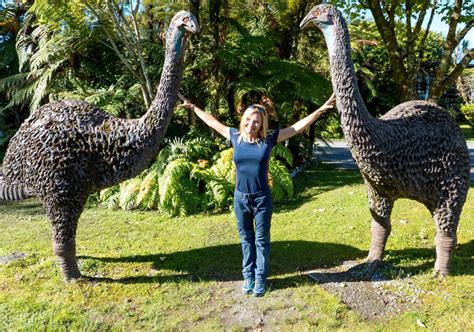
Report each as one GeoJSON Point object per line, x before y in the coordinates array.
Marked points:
{"type": "Point", "coordinates": [69, 149]}
{"type": "Point", "coordinates": [414, 151]}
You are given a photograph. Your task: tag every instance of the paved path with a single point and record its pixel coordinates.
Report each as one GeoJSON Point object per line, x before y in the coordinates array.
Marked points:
{"type": "Point", "coordinates": [336, 153]}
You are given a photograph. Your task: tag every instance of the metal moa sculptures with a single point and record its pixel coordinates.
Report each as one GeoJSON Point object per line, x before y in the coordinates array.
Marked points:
{"type": "Point", "coordinates": [414, 151]}
{"type": "Point", "coordinates": [69, 149]}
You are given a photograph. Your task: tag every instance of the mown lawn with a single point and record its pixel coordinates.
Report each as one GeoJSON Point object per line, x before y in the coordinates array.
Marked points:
{"type": "Point", "coordinates": [157, 273]}
{"type": "Point", "coordinates": [468, 132]}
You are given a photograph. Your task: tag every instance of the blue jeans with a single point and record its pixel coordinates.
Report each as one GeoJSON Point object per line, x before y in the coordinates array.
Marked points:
{"type": "Point", "coordinates": [255, 241]}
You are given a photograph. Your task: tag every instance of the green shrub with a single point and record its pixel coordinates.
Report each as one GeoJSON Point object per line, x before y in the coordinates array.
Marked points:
{"type": "Point", "coordinates": [330, 126]}
{"type": "Point", "coordinates": [468, 112]}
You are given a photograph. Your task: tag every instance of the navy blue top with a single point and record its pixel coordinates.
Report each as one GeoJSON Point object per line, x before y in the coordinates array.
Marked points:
{"type": "Point", "coordinates": [251, 161]}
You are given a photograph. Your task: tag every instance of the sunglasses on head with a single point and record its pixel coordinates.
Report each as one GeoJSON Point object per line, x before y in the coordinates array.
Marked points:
{"type": "Point", "coordinates": [259, 109]}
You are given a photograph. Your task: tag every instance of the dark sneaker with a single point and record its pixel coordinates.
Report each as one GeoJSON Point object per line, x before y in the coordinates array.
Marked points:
{"type": "Point", "coordinates": [259, 288]}
{"type": "Point", "coordinates": [247, 286]}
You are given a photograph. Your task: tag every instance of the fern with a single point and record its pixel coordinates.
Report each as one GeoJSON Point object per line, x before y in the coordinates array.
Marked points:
{"type": "Point", "coordinates": [112, 99]}
{"type": "Point", "coordinates": [224, 165]}
{"type": "Point", "coordinates": [12, 81]}
{"type": "Point", "coordinates": [110, 196]}
{"type": "Point", "coordinates": [171, 185]}
{"type": "Point", "coordinates": [41, 54]}
{"type": "Point", "coordinates": [281, 182]}
{"type": "Point", "coordinates": [219, 189]}
{"type": "Point", "coordinates": [25, 44]}
{"type": "Point", "coordinates": [282, 152]}
{"type": "Point", "coordinates": [128, 193]}
{"type": "Point", "coordinates": [148, 196]}
{"type": "Point", "coordinates": [187, 200]}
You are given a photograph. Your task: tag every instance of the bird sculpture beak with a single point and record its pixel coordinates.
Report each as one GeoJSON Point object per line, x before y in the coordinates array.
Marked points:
{"type": "Point", "coordinates": [191, 25]}
{"type": "Point", "coordinates": [308, 21]}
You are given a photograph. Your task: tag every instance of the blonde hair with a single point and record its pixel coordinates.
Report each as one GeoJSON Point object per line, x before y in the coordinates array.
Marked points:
{"type": "Point", "coordinates": [251, 110]}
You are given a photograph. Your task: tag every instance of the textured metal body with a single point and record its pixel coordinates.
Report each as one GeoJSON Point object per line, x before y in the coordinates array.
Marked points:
{"type": "Point", "coordinates": [414, 151]}
{"type": "Point", "coordinates": [69, 149]}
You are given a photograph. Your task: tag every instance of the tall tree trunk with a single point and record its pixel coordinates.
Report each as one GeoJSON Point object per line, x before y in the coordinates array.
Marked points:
{"type": "Point", "coordinates": [296, 31]}
{"type": "Point", "coordinates": [405, 65]}
{"type": "Point", "coordinates": [194, 7]}
{"type": "Point", "coordinates": [214, 20]}
{"type": "Point", "coordinates": [385, 23]}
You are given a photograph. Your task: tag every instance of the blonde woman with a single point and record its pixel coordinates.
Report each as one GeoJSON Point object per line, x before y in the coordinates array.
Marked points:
{"type": "Point", "coordinates": [252, 144]}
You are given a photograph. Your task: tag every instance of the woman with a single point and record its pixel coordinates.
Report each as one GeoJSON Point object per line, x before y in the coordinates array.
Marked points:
{"type": "Point", "coordinates": [252, 145]}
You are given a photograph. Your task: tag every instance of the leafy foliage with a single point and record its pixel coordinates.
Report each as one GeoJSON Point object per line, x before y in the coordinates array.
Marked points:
{"type": "Point", "coordinates": [42, 66]}
{"type": "Point", "coordinates": [118, 99]}
{"type": "Point", "coordinates": [468, 112]}
{"type": "Point", "coordinates": [404, 27]}
{"type": "Point", "coordinates": [64, 53]}
{"type": "Point", "coordinates": [168, 185]}
{"type": "Point", "coordinates": [219, 180]}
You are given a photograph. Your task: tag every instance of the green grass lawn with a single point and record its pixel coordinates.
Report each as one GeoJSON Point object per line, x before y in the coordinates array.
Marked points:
{"type": "Point", "coordinates": [468, 132]}
{"type": "Point", "coordinates": [157, 273]}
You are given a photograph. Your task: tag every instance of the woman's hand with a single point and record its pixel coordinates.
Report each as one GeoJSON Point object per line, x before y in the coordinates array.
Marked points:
{"type": "Point", "coordinates": [299, 126]}
{"type": "Point", "coordinates": [330, 103]}
{"type": "Point", "coordinates": [186, 103]}
{"type": "Point", "coordinates": [208, 119]}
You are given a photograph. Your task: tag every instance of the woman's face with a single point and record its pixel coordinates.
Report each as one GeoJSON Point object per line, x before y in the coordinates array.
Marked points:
{"type": "Point", "coordinates": [253, 123]}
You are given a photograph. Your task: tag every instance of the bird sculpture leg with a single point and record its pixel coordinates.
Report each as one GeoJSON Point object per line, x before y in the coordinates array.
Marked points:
{"type": "Point", "coordinates": [446, 217]}
{"type": "Point", "coordinates": [66, 256]}
{"type": "Point", "coordinates": [65, 215]}
{"type": "Point", "coordinates": [381, 209]}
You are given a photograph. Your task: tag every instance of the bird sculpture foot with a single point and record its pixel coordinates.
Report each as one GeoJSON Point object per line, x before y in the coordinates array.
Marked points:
{"type": "Point", "coordinates": [71, 275]}
{"type": "Point", "coordinates": [366, 270]}
{"type": "Point", "coordinates": [440, 273]}
{"type": "Point", "coordinates": [66, 256]}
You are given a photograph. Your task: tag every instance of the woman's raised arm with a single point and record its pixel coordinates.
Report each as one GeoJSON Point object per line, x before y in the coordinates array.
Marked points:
{"type": "Point", "coordinates": [208, 119]}
{"type": "Point", "coordinates": [300, 125]}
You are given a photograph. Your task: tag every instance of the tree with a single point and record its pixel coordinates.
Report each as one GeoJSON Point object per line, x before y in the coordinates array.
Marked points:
{"type": "Point", "coordinates": [76, 48]}
{"type": "Point", "coordinates": [12, 15]}
{"type": "Point", "coordinates": [401, 26]}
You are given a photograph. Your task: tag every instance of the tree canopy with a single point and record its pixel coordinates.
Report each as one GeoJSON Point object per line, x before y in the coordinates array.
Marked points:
{"type": "Point", "coordinates": [110, 53]}
{"type": "Point", "coordinates": [405, 26]}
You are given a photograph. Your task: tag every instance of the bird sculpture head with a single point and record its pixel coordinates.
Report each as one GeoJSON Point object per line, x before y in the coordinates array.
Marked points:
{"type": "Point", "coordinates": [320, 16]}
{"type": "Point", "coordinates": [329, 20]}
{"type": "Point", "coordinates": [182, 24]}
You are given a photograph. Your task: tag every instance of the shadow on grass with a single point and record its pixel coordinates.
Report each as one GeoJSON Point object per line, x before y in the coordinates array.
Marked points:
{"type": "Point", "coordinates": [288, 257]}
{"type": "Point", "coordinates": [400, 264]}
{"type": "Point", "coordinates": [468, 132]}
{"type": "Point", "coordinates": [28, 206]}
{"type": "Point", "coordinates": [224, 262]}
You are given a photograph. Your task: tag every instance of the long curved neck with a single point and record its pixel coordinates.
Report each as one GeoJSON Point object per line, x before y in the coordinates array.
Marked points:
{"type": "Point", "coordinates": [151, 128]}
{"type": "Point", "coordinates": [354, 114]}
